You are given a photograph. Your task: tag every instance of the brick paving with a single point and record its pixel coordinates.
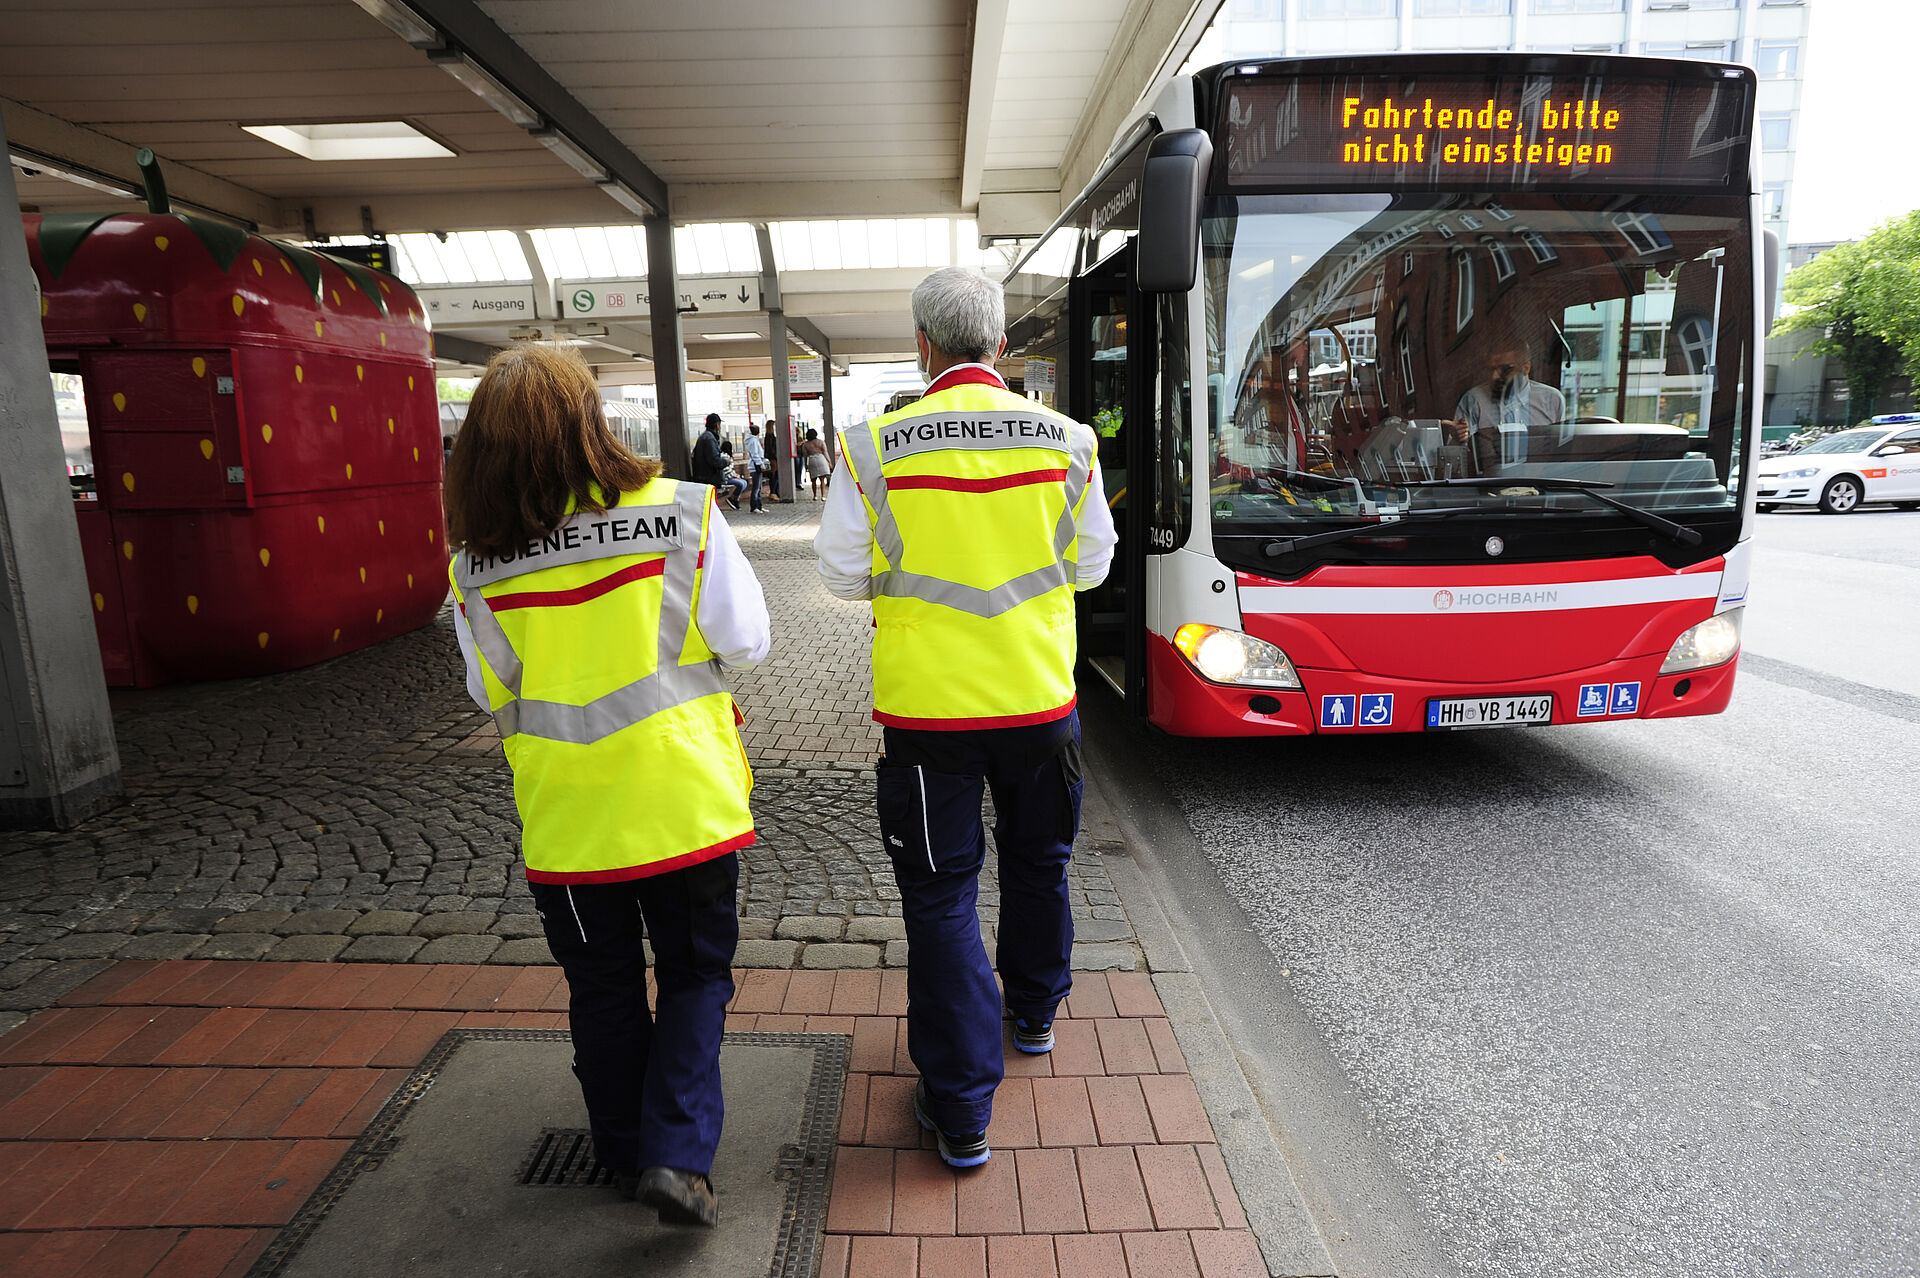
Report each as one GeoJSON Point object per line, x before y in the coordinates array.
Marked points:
{"type": "Point", "coordinates": [169, 1117]}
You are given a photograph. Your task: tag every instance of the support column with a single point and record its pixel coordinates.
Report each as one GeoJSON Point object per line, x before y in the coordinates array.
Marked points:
{"type": "Point", "coordinates": [669, 349]}
{"type": "Point", "coordinates": [58, 762]}
{"type": "Point", "coordinates": [777, 342]}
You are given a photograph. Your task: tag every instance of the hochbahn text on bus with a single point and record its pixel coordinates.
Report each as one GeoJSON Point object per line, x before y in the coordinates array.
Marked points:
{"type": "Point", "coordinates": [1427, 386]}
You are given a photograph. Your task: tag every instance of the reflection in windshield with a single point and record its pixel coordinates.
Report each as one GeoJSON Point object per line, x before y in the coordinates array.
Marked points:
{"type": "Point", "coordinates": [1847, 441]}
{"type": "Point", "coordinates": [1359, 344]}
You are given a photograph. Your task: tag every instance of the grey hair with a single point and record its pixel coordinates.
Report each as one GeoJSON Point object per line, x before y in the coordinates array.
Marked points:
{"type": "Point", "coordinates": [962, 312]}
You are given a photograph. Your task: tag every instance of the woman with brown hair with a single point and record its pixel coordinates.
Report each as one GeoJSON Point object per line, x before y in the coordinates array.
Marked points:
{"type": "Point", "coordinates": [597, 605]}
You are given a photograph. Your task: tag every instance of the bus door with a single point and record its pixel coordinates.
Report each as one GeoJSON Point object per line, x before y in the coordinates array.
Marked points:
{"type": "Point", "coordinates": [1111, 349]}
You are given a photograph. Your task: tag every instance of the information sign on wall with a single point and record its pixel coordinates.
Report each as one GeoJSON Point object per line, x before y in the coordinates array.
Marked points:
{"type": "Point", "coordinates": [1039, 376]}
{"type": "Point", "coordinates": [806, 375]}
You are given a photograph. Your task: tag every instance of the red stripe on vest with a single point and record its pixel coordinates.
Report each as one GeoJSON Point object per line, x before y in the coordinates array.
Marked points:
{"type": "Point", "coordinates": [953, 483]}
{"type": "Point", "coordinates": [968, 725]}
{"type": "Point", "coordinates": [579, 594]}
{"type": "Point", "coordinates": [625, 873]}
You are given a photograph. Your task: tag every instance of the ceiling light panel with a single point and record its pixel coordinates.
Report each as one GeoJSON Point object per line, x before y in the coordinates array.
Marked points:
{"type": "Point", "coordinates": [378, 140]}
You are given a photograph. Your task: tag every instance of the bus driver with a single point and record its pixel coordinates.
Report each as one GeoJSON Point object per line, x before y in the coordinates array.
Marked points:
{"type": "Point", "coordinates": [1494, 416]}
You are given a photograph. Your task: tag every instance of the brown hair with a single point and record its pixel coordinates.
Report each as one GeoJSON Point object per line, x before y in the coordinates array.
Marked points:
{"type": "Point", "coordinates": [535, 438]}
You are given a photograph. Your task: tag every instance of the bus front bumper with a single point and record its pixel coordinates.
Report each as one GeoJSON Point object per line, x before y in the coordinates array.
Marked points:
{"type": "Point", "coordinates": [1346, 702]}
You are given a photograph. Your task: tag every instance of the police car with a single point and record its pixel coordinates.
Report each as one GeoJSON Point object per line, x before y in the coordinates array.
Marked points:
{"type": "Point", "coordinates": [1837, 472]}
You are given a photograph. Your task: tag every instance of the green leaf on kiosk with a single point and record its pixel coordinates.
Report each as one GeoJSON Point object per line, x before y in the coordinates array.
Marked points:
{"type": "Point", "coordinates": [226, 243]}
{"type": "Point", "coordinates": [364, 279]}
{"type": "Point", "coordinates": [305, 261]}
{"type": "Point", "coordinates": [61, 234]}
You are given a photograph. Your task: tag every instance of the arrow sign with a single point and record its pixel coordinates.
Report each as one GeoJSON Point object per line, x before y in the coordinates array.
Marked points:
{"type": "Point", "coordinates": [743, 293]}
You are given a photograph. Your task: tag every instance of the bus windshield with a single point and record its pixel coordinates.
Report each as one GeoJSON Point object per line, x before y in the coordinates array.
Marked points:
{"type": "Point", "coordinates": [1361, 346]}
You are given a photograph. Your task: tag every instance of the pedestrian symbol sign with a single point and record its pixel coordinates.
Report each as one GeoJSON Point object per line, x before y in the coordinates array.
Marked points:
{"type": "Point", "coordinates": [1593, 699]}
{"type": "Point", "coordinates": [1337, 712]}
{"type": "Point", "coordinates": [1376, 710]}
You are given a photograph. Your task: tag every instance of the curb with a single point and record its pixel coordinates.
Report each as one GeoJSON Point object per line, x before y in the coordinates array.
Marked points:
{"type": "Point", "coordinates": [1290, 1242]}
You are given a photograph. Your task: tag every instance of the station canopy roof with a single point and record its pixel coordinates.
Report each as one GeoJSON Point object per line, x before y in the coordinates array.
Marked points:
{"type": "Point", "coordinates": [858, 143]}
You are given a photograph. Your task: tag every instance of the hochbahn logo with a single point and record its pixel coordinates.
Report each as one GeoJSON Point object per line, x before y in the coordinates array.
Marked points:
{"type": "Point", "coordinates": [1443, 600]}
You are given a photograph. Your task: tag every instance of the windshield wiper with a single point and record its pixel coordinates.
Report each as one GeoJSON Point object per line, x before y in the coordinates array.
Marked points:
{"type": "Point", "coordinates": [1288, 545]}
{"type": "Point", "coordinates": [1586, 487]}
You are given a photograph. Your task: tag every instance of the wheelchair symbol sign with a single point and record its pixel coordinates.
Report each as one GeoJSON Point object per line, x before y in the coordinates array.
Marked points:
{"type": "Point", "coordinates": [1376, 710]}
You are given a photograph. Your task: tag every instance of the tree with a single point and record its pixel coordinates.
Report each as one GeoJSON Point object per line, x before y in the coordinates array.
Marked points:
{"type": "Point", "coordinates": [1864, 301]}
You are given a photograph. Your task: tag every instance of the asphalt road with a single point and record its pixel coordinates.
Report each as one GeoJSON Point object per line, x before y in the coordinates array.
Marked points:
{"type": "Point", "coordinates": [1618, 999]}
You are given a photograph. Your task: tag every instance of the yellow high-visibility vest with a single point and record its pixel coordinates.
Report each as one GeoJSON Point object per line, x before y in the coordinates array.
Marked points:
{"type": "Point", "coordinates": [973, 494]}
{"type": "Point", "coordinates": [616, 720]}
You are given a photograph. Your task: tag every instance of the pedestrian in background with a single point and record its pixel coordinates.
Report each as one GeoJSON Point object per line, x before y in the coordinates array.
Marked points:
{"type": "Point", "coordinates": [971, 550]}
{"type": "Point", "coordinates": [814, 454]}
{"type": "Point", "coordinates": [576, 571]}
{"type": "Point", "coordinates": [773, 462]}
{"type": "Point", "coordinates": [756, 470]}
{"type": "Point", "coordinates": [710, 465]}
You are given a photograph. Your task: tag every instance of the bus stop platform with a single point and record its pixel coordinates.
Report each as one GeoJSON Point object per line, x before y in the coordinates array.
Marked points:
{"type": "Point", "coordinates": [180, 1117]}
{"type": "Point", "coordinates": [218, 1000]}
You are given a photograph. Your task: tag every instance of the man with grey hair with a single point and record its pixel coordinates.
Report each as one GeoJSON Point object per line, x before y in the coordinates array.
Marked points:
{"type": "Point", "coordinates": [970, 517]}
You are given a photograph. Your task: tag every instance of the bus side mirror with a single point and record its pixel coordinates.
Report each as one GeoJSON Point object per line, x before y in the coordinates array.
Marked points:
{"type": "Point", "coordinates": [1172, 185]}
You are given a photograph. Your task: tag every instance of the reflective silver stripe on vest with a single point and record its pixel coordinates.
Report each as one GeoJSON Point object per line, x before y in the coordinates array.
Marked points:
{"type": "Point", "coordinates": [897, 583]}
{"type": "Point", "coordinates": [670, 684]}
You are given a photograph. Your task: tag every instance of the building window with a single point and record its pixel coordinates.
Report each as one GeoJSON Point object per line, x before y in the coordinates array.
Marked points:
{"type": "Point", "coordinates": [1577, 6]}
{"type": "Point", "coordinates": [1777, 59]}
{"type": "Point", "coordinates": [1642, 232]}
{"type": "Point", "coordinates": [1462, 8]}
{"type": "Point", "coordinates": [1695, 336]}
{"type": "Point", "coordinates": [1502, 261]}
{"type": "Point", "coordinates": [1403, 348]}
{"type": "Point", "coordinates": [1446, 232]}
{"type": "Point", "coordinates": [1497, 213]}
{"type": "Point", "coordinates": [1462, 291]}
{"type": "Point", "coordinates": [1537, 245]}
{"type": "Point", "coordinates": [1256, 10]}
{"type": "Point", "coordinates": [1471, 222]}
{"type": "Point", "coordinates": [1773, 201]}
{"type": "Point", "coordinates": [1776, 132]}
{"type": "Point", "coordinates": [1349, 8]}
{"type": "Point", "coordinates": [1692, 50]}
{"type": "Point", "coordinates": [1692, 4]}
{"type": "Point", "coordinates": [1406, 264]}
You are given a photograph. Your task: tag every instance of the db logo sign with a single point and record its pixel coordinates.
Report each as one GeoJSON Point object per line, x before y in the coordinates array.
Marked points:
{"type": "Point", "coordinates": [1442, 600]}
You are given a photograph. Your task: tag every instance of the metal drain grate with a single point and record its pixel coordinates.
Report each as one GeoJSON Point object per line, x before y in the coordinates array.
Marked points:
{"type": "Point", "coordinates": [562, 1158]}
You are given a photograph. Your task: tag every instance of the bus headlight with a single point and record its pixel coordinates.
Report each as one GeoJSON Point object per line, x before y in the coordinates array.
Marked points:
{"type": "Point", "coordinates": [1227, 656]}
{"type": "Point", "coordinates": [1710, 643]}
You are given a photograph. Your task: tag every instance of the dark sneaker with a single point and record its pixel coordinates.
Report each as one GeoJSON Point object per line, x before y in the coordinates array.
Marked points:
{"type": "Point", "coordinates": [1033, 1037]}
{"type": "Point", "coordinates": [681, 1197]}
{"type": "Point", "coordinates": [965, 1150]}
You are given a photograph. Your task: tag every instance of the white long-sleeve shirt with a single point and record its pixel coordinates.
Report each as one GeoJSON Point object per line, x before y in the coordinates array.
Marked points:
{"type": "Point", "coordinates": [731, 613]}
{"type": "Point", "coordinates": [844, 543]}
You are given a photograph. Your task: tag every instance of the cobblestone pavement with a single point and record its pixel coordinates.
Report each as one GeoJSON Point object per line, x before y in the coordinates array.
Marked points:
{"type": "Point", "coordinates": [360, 810]}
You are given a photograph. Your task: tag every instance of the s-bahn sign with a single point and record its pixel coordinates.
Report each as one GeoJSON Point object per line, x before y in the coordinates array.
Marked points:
{"type": "Point", "coordinates": [627, 298]}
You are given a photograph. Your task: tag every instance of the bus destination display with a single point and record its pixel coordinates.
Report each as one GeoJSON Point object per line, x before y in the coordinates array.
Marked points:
{"type": "Point", "coordinates": [1397, 131]}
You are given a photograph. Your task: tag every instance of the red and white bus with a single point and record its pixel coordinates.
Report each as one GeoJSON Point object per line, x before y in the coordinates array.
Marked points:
{"type": "Point", "coordinates": [1428, 387]}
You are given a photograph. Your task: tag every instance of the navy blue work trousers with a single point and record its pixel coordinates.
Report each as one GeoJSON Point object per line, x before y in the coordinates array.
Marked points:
{"type": "Point", "coordinates": [651, 1079]}
{"type": "Point", "coordinates": [930, 785]}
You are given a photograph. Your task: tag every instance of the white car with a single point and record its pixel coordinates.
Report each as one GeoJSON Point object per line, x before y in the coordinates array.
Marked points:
{"type": "Point", "coordinates": [1837, 472]}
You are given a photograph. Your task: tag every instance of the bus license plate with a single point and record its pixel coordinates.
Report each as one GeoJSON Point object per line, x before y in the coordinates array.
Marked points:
{"type": "Point", "coordinates": [1488, 712]}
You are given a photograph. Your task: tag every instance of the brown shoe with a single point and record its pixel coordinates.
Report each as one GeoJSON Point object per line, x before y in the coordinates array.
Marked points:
{"type": "Point", "coordinates": [681, 1197]}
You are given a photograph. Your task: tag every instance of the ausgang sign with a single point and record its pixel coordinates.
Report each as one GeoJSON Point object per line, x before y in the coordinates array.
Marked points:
{"type": "Point", "coordinates": [627, 299]}
{"type": "Point", "coordinates": [484, 304]}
